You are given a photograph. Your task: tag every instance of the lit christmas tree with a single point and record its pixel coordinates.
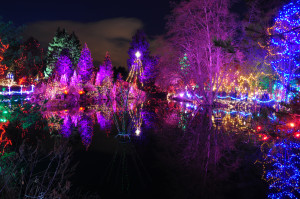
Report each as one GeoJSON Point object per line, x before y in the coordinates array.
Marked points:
{"type": "Point", "coordinates": [85, 65]}
{"type": "Point", "coordinates": [284, 45]}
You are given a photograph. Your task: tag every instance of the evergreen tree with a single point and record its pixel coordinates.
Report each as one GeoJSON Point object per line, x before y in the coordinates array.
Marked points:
{"type": "Point", "coordinates": [85, 65]}
{"type": "Point", "coordinates": [11, 35]}
{"type": "Point", "coordinates": [30, 62]}
{"type": "Point", "coordinates": [150, 70]}
{"type": "Point", "coordinates": [62, 40]}
{"type": "Point", "coordinates": [146, 66]}
{"type": "Point", "coordinates": [139, 43]}
{"type": "Point", "coordinates": [74, 47]}
{"type": "Point", "coordinates": [64, 68]}
{"type": "Point", "coordinates": [105, 71]}
{"type": "Point", "coordinates": [3, 67]}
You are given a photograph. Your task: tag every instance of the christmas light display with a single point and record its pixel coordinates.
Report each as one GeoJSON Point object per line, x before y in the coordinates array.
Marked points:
{"type": "Point", "coordinates": [64, 69]}
{"type": "Point", "coordinates": [85, 65]}
{"type": "Point", "coordinates": [136, 70]}
{"type": "Point", "coordinates": [3, 67]}
{"type": "Point", "coordinates": [281, 166]}
{"type": "Point", "coordinates": [284, 45]}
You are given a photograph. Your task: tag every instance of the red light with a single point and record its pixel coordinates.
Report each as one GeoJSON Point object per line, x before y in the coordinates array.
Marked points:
{"type": "Point", "coordinates": [81, 92]}
{"type": "Point", "coordinates": [259, 128]}
{"type": "Point", "coordinates": [66, 92]}
{"type": "Point", "coordinates": [297, 135]}
{"type": "Point", "coordinates": [81, 108]}
{"type": "Point", "coordinates": [265, 137]}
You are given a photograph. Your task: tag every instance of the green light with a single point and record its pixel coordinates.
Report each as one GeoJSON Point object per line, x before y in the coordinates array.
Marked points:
{"type": "Point", "coordinates": [4, 112]}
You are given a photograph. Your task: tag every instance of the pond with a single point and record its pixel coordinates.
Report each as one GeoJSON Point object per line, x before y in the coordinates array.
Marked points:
{"type": "Point", "coordinates": [152, 149]}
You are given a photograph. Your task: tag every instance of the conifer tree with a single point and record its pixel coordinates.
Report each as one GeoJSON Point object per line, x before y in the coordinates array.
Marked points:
{"type": "Point", "coordinates": [62, 40]}
{"type": "Point", "coordinates": [85, 65]}
{"type": "Point", "coordinates": [64, 68]}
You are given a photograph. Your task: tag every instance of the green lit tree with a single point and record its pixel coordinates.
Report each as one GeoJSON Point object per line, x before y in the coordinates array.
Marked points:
{"type": "Point", "coordinates": [62, 40]}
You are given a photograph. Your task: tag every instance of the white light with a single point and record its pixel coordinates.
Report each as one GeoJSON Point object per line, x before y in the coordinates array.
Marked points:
{"type": "Point", "coordinates": [137, 132]}
{"type": "Point", "coordinates": [137, 54]}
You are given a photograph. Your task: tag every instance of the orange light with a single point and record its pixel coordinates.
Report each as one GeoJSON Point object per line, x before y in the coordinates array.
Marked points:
{"type": "Point", "coordinates": [81, 108]}
{"type": "Point", "coordinates": [292, 124]}
{"type": "Point", "coordinates": [81, 92]}
{"type": "Point", "coordinates": [66, 92]}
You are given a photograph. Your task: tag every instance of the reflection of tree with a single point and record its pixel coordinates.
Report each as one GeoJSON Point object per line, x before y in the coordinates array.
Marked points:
{"type": "Point", "coordinates": [85, 129]}
{"type": "Point", "coordinates": [281, 165]}
{"type": "Point", "coordinates": [66, 128]}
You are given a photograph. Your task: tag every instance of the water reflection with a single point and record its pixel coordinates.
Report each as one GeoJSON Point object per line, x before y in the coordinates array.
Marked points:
{"type": "Point", "coordinates": [202, 146]}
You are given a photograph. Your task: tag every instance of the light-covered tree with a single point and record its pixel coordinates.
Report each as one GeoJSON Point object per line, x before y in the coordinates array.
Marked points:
{"type": "Point", "coordinates": [199, 28]}
{"type": "Point", "coordinates": [85, 65]}
{"type": "Point", "coordinates": [61, 41]}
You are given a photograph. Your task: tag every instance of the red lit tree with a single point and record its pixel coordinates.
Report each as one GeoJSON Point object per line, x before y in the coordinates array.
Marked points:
{"type": "Point", "coordinates": [3, 67]}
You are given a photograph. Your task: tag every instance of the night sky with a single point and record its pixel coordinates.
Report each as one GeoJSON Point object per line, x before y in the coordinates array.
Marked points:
{"type": "Point", "coordinates": [103, 25]}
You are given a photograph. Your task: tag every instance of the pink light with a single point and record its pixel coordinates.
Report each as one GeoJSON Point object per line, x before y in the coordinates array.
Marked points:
{"type": "Point", "coordinates": [181, 94]}
{"type": "Point", "coordinates": [297, 135]}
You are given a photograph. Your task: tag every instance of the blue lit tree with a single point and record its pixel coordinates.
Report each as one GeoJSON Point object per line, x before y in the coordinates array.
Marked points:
{"type": "Point", "coordinates": [85, 65]}
{"type": "Point", "coordinates": [282, 169]}
{"type": "Point", "coordinates": [284, 45]}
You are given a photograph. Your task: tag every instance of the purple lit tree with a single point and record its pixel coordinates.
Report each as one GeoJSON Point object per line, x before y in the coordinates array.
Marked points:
{"type": "Point", "coordinates": [105, 71]}
{"type": "Point", "coordinates": [64, 69]}
{"type": "Point", "coordinates": [74, 79]}
{"type": "Point", "coordinates": [85, 65]}
{"type": "Point", "coordinates": [139, 43]}
{"type": "Point", "coordinates": [150, 71]}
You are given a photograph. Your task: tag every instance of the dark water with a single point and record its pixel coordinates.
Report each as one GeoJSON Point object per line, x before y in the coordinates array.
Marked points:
{"type": "Point", "coordinates": [174, 150]}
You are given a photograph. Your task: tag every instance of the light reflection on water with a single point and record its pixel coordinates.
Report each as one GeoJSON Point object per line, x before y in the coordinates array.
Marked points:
{"type": "Point", "coordinates": [204, 148]}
